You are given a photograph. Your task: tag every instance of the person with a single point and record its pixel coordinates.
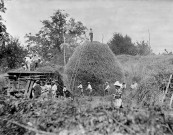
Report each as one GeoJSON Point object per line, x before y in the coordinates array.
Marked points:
{"type": "Point", "coordinates": [91, 35]}
{"type": "Point", "coordinates": [36, 61]}
{"type": "Point", "coordinates": [80, 87]}
{"type": "Point", "coordinates": [124, 86]}
{"type": "Point", "coordinates": [28, 62]}
{"type": "Point", "coordinates": [24, 66]}
{"type": "Point", "coordinates": [89, 88]}
{"type": "Point", "coordinates": [107, 88]}
{"type": "Point", "coordinates": [54, 89]}
{"type": "Point", "coordinates": [118, 87]}
{"type": "Point", "coordinates": [64, 91]}
{"type": "Point", "coordinates": [118, 94]}
{"type": "Point", "coordinates": [48, 86]}
{"type": "Point", "coordinates": [37, 89]}
{"type": "Point", "coordinates": [134, 85]}
{"type": "Point", "coordinates": [117, 101]}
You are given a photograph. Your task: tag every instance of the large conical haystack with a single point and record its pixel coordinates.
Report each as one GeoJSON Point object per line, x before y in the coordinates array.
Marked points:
{"type": "Point", "coordinates": [92, 62]}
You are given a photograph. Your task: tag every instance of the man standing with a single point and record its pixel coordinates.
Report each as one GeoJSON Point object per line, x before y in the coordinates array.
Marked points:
{"type": "Point", "coordinates": [80, 87]}
{"type": "Point", "coordinates": [89, 88]}
{"type": "Point", "coordinates": [28, 62]}
{"type": "Point", "coordinates": [64, 91]}
{"type": "Point", "coordinates": [106, 89]}
{"type": "Point", "coordinates": [91, 35]}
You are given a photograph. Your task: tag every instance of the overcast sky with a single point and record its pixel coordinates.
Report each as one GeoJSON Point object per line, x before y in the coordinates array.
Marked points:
{"type": "Point", "coordinates": [131, 17]}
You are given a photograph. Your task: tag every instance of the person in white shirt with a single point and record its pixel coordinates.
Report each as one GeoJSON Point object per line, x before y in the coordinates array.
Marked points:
{"type": "Point", "coordinates": [28, 62]}
{"type": "Point", "coordinates": [107, 88]}
{"type": "Point", "coordinates": [89, 88]}
{"type": "Point", "coordinates": [54, 89]}
{"type": "Point", "coordinates": [48, 86]}
{"type": "Point", "coordinates": [36, 60]}
{"type": "Point", "coordinates": [80, 87]}
{"type": "Point", "coordinates": [64, 91]}
{"type": "Point", "coordinates": [118, 94]}
{"type": "Point", "coordinates": [134, 86]}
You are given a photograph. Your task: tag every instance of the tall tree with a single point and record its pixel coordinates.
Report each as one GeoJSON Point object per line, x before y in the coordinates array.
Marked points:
{"type": "Point", "coordinates": [11, 56]}
{"type": "Point", "coordinates": [4, 36]}
{"type": "Point", "coordinates": [56, 31]}
{"type": "Point", "coordinates": [120, 44]}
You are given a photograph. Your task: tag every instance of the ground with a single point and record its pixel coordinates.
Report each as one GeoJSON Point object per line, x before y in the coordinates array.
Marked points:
{"type": "Point", "coordinates": [97, 114]}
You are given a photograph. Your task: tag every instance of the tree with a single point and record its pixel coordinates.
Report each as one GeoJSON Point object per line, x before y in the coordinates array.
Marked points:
{"type": "Point", "coordinates": [143, 48]}
{"type": "Point", "coordinates": [11, 56]}
{"type": "Point", "coordinates": [4, 36]}
{"type": "Point", "coordinates": [120, 44]}
{"type": "Point", "coordinates": [56, 31]}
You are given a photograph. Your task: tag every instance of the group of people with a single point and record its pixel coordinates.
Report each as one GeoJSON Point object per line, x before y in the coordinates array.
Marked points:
{"type": "Point", "coordinates": [117, 93]}
{"type": "Point", "coordinates": [49, 89]}
{"type": "Point", "coordinates": [31, 60]}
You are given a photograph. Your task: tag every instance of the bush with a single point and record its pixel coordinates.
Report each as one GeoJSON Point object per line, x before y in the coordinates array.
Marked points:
{"type": "Point", "coordinates": [93, 62]}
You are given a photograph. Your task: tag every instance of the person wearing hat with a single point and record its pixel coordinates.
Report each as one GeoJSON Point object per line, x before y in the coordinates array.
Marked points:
{"type": "Point", "coordinates": [89, 88]}
{"type": "Point", "coordinates": [107, 88]}
{"type": "Point", "coordinates": [80, 87]}
{"type": "Point", "coordinates": [118, 86]}
{"type": "Point", "coordinates": [118, 94]}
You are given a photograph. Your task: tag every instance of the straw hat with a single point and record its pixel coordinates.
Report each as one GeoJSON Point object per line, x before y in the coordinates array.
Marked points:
{"type": "Point", "coordinates": [117, 83]}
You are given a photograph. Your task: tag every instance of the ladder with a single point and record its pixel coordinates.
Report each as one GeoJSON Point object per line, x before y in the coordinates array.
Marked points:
{"type": "Point", "coordinates": [169, 86]}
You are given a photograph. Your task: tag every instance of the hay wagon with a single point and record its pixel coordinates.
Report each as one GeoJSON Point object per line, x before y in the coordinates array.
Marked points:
{"type": "Point", "coordinates": [22, 82]}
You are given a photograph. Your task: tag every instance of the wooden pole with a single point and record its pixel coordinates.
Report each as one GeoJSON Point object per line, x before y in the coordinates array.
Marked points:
{"type": "Point", "coordinates": [167, 87]}
{"type": "Point", "coordinates": [64, 48]}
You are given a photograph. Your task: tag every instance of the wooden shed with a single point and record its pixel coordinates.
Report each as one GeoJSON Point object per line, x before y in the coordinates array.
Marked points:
{"type": "Point", "coordinates": [22, 82]}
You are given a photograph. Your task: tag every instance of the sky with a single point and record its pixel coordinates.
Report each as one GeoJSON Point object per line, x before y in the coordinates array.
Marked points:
{"type": "Point", "coordinates": [135, 18]}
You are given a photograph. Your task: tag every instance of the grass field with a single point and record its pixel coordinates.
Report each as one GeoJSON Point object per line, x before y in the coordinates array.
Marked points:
{"type": "Point", "coordinates": [97, 115]}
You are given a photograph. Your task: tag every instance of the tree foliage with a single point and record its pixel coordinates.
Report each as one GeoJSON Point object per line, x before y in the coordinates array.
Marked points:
{"type": "Point", "coordinates": [56, 31]}
{"type": "Point", "coordinates": [12, 54]}
{"type": "Point", "coordinates": [143, 48]}
{"type": "Point", "coordinates": [4, 36]}
{"type": "Point", "coordinates": [120, 44]}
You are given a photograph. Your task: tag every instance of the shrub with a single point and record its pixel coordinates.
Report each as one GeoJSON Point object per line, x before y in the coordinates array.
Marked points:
{"type": "Point", "coordinates": [93, 62]}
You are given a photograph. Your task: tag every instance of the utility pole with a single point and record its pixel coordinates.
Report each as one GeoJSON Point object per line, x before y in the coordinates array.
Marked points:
{"type": "Point", "coordinates": [148, 37]}
{"type": "Point", "coordinates": [64, 46]}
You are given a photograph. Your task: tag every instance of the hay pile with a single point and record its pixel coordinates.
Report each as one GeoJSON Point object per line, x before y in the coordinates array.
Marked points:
{"type": "Point", "coordinates": [93, 62]}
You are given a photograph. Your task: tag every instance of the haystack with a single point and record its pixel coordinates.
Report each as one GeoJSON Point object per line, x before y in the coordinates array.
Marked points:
{"type": "Point", "coordinates": [93, 62]}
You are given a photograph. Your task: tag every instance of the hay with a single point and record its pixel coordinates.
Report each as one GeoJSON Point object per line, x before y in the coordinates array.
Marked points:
{"type": "Point", "coordinates": [93, 62]}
